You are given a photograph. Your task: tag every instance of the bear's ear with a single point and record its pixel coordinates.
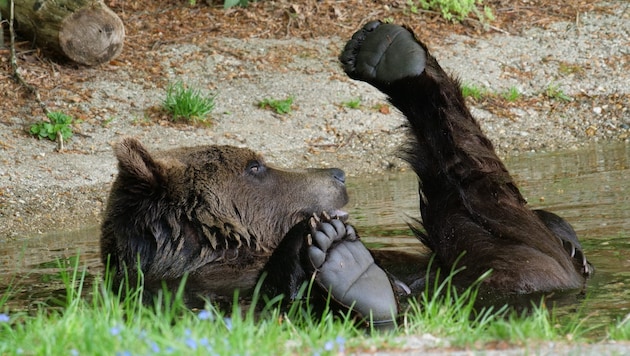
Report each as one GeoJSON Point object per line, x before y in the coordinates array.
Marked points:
{"type": "Point", "coordinates": [136, 163]}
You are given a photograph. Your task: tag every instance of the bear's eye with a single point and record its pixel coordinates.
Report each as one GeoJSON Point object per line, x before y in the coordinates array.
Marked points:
{"type": "Point", "coordinates": [255, 167]}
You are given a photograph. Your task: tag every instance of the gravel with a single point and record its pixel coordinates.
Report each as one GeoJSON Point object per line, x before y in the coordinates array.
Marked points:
{"type": "Point", "coordinates": [42, 190]}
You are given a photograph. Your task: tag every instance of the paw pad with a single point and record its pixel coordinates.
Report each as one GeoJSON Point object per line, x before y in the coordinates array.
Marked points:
{"type": "Point", "coordinates": [345, 268]}
{"type": "Point", "coordinates": [382, 53]}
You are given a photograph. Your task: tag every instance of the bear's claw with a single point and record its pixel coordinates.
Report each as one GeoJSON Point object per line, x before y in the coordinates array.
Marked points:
{"type": "Point", "coordinates": [345, 268]}
{"type": "Point", "coordinates": [382, 53]}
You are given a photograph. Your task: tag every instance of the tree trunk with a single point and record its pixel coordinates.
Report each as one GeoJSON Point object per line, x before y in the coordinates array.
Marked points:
{"type": "Point", "coordinates": [86, 31]}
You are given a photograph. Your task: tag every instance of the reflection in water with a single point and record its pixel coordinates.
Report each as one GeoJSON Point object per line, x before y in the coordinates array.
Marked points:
{"type": "Point", "coordinates": [587, 187]}
{"type": "Point", "coordinates": [32, 266]}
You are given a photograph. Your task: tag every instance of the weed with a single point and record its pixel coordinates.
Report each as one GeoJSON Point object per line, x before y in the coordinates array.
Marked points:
{"type": "Point", "coordinates": [59, 124]}
{"type": "Point", "coordinates": [352, 103]}
{"type": "Point", "coordinates": [453, 10]}
{"type": "Point", "coordinates": [512, 94]}
{"type": "Point", "coordinates": [189, 104]}
{"type": "Point", "coordinates": [478, 93]}
{"type": "Point", "coordinates": [472, 91]}
{"type": "Point", "coordinates": [231, 3]}
{"type": "Point", "coordinates": [554, 92]}
{"type": "Point", "coordinates": [568, 68]}
{"type": "Point", "coordinates": [108, 121]}
{"type": "Point", "coordinates": [279, 106]}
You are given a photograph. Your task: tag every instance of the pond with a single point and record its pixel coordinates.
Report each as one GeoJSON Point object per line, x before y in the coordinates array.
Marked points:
{"type": "Point", "coordinates": [588, 187]}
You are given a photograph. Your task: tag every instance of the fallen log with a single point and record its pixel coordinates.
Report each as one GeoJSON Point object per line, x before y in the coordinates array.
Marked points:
{"type": "Point", "coordinates": [85, 31]}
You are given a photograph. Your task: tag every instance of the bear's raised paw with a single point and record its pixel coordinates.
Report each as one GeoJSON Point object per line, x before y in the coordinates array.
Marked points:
{"type": "Point", "coordinates": [344, 267]}
{"type": "Point", "coordinates": [382, 53]}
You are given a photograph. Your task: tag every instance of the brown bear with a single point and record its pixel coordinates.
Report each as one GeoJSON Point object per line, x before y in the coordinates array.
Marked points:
{"type": "Point", "coordinates": [221, 218]}
{"type": "Point", "coordinates": [473, 214]}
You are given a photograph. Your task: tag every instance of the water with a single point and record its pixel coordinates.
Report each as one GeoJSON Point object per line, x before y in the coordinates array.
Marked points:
{"type": "Point", "coordinates": [588, 187]}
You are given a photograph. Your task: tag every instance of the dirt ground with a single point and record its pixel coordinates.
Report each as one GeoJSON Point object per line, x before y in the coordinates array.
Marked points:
{"type": "Point", "coordinates": [280, 49]}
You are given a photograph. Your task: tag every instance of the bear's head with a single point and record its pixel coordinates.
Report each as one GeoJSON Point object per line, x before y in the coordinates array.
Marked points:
{"type": "Point", "coordinates": [176, 211]}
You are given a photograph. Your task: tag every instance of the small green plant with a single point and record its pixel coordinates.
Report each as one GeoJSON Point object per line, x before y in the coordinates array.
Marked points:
{"type": "Point", "coordinates": [554, 92]}
{"type": "Point", "coordinates": [108, 121]}
{"type": "Point", "coordinates": [59, 124]}
{"type": "Point", "coordinates": [453, 10]}
{"type": "Point", "coordinates": [352, 103]}
{"type": "Point", "coordinates": [189, 104]}
{"type": "Point", "coordinates": [568, 68]}
{"type": "Point", "coordinates": [231, 3]}
{"type": "Point", "coordinates": [472, 91]}
{"type": "Point", "coordinates": [280, 106]}
{"type": "Point", "coordinates": [512, 94]}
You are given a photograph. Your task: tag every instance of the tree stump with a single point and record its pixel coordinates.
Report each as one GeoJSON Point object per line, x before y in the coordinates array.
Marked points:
{"type": "Point", "coordinates": [86, 31]}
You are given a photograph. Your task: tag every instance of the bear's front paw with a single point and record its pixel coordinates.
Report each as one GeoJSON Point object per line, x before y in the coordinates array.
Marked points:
{"type": "Point", "coordinates": [577, 254]}
{"type": "Point", "coordinates": [345, 268]}
{"type": "Point", "coordinates": [382, 53]}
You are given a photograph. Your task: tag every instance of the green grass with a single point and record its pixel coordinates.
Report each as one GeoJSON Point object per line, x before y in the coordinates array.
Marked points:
{"type": "Point", "coordinates": [352, 103]}
{"type": "Point", "coordinates": [96, 322]}
{"type": "Point", "coordinates": [621, 330]}
{"type": "Point", "coordinates": [442, 310]}
{"type": "Point", "coordinates": [187, 103]}
{"type": "Point", "coordinates": [478, 93]}
{"type": "Point", "coordinates": [554, 92]}
{"type": "Point", "coordinates": [473, 91]}
{"type": "Point", "coordinates": [231, 3]}
{"type": "Point", "coordinates": [280, 106]}
{"type": "Point", "coordinates": [453, 10]}
{"type": "Point", "coordinates": [451, 314]}
{"type": "Point", "coordinates": [512, 94]}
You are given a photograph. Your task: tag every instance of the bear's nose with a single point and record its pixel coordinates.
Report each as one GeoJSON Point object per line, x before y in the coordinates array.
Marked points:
{"type": "Point", "coordinates": [338, 174]}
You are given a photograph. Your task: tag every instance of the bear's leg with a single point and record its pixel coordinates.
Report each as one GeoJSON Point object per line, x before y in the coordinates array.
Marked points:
{"type": "Point", "coordinates": [283, 273]}
{"type": "Point", "coordinates": [344, 267]}
{"type": "Point", "coordinates": [449, 147]}
{"type": "Point", "coordinates": [469, 201]}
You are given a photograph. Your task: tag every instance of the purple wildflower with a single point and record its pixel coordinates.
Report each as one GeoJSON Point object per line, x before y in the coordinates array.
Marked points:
{"type": "Point", "coordinates": [228, 323]}
{"type": "Point", "coordinates": [205, 315]}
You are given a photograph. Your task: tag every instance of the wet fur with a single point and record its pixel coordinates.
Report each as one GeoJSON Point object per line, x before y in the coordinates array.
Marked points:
{"type": "Point", "coordinates": [214, 214]}
{"type": "Point", "coordinates": [473, 214]}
